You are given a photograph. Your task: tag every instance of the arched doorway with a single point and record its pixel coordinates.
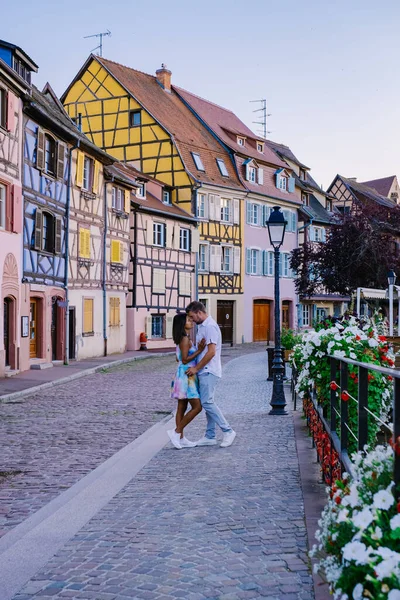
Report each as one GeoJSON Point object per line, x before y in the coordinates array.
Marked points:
{"type": "Point", "coordinates": [10, 299]}
{"type": "Point", "coordinates": [57, 328]}
{"type": "Point", "coordinates": [261, 320]}
{"type": "Point", "coordinates": [7, 315]}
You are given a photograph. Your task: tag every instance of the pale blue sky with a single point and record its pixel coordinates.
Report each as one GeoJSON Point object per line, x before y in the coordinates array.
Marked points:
{"type": "Point", "coordinates": [329, 70]}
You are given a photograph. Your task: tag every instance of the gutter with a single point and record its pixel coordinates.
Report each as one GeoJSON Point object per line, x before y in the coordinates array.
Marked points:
{"type": "Point", "coordinates": [67, 222]}
{"type": "Point", "coordinates": [104, 270]}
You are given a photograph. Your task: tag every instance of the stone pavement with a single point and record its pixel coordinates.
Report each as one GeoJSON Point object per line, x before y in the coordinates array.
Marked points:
{"type": "Point", "coordinates": [202, 523]}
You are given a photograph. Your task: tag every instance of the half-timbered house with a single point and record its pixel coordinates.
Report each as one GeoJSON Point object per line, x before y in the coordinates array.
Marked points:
{"type": "Point", "coordinates": [140, 119]}
{"type": "Point", "coordinates": [15, 68]}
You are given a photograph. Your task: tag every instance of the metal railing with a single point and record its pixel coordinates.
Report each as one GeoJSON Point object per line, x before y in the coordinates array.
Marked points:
{"type": "Point", "coordinates": [336, 425]}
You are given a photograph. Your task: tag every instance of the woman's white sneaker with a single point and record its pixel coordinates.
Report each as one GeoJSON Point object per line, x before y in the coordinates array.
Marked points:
{"type": "Point", "coordinates": [175, 438]}
{"type": "Point", "coordinates": [228, 439]}
{"type": "Point", "coordinates": [185, 443]}
{"type": "Point", "coordinates": [204, 441]}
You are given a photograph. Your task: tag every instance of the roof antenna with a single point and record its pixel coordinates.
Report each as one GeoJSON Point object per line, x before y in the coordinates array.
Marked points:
{"type": "Point", "coordinates": [263, 116]}
{"type": "Point", "coordinates": [99, 35]}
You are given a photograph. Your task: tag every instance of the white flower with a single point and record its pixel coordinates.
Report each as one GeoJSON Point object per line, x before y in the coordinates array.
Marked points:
{"type": "Point", "coordinates": [363, 519]}
{"type": "Point", "coordinates": [351, 499]}
{"type": "Point", "coordinates": [383, 500]}
{"type": "Point", "coordinates": [342, 516]}
{"type": "Point", "coordinates": [337, 337]}
{"type": "Point", "coordinates": [377, 535]}
{"type": "Point", "coordinates": [386, 568]}
{"type": "Point", "coordinates": [372, 343]}
{"type": "Point", "coordinates": [353, 356]}
{"type": "Point", "coordinates": [356, 551]}
{"type": "Point", "coordinates": [394, 595]}
{"type": "Point", "coordinates": [358, 591]}
{"type": "Point", "coordinates": [395, 522]}
{"type": "Point", "coordinates": [339, 353]}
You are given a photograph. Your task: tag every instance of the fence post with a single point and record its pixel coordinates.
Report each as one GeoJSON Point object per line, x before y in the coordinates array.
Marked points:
{"type": "Point", "coordinates": [344, 408]}
{"type": "Point", "coordinates": [396, 434]}
{"type": "Point", "coordinates": [362, 405]}
{"type": "Point", "coordinates": [333, 396]}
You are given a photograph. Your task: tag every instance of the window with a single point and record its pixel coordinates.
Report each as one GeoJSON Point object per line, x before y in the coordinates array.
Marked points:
{"type": "Point", "coordinates": [321, 314]}
{"type": "Point", "coordinates": [252, 172]}
{"type": "Point", "coordinates": [254, 262]}
{"type": "Point", "coordinates": [157, 326]}
{"type": "Point", "coordinates": [87, 173]}
{"type": "Point", "coordinates": [117, 252]}
{"type": "Point", "coordinates": [198, 162]}
{"type": "Point", "coordinates": [283, 183]}
{"type": "Point", "coordinates": [48, 233]}
{"type": "Point", "coordinates": [159, 234]}
{"type": "Point", "coordinates": [84, 243]}
{"type": "Point", "coordinates": [159, 278]}
{"type": "Point", "coordinates": [241, 141]}
{"type": "Point", "coordinates": [115, 312]}
{"type": "Point", "coordinates": [135, 118]}
{"type": "Point", "coordinates": [50, 155]}
{"type": "Point", "coordinates": [117, 202]}
{"type": "Point", "coordinates": [141, 190]}
{"type": "Point", "coordinates": [305, 315]}
{"type": "Point", "coordinates": [185, 283]}
{"type": "Point", "coordinates": [201, 206]}
{"type": "Point", "coordinates": [166, 198]}
{"type": "Point", "coordinates": [3, 108]}
{"type": "Point", "coordinates": [285, 265]}
{"type": "Point", "coordinates": [88, 316]}
{"type": "Point", "coordinates": [255, 214]}
{"type": "Point", "coordinates": [3, 192]}
{"type": "Point", "coordinates": [329, 205]}
{"type": "Point", "coordinates": [222, 167]}
{"type": "Point", "coordinates": [302, 174]}
{"type": "Point", "coordinates": [304, 199]}
{"type": "Point", "coordinates": [271, 263]}
{"type": "Point", "coordinates": [204, 257]}
{"type": "Point", "coordinates": [184, 239]}
{"type": "Point", "coordinates": [226, 210]}
{"type": "Point", "coordinates": [260, 147]}
{"type": "Point", "coordinates": [317, 234]}
{"type": "Point", "coordinates": [226, 259]}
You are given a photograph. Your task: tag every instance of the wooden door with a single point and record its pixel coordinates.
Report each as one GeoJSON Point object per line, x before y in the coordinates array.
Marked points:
{"type": "Point", "coordinates": [261, 320]}
{"type": "Point", "coordinates": [285, 315]}
{"type": "Point", "coordinates": [225, 320]}
{"type": "Point", "coordinates": [72, 334]}
{"type": "Point", "coordinates": [6, 324]}
{"type": "Point", "coordinates": [33, 329]}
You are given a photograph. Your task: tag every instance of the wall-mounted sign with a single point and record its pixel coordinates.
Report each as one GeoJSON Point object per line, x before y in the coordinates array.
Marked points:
{"type": "Point", "coordinates": [24, 326]}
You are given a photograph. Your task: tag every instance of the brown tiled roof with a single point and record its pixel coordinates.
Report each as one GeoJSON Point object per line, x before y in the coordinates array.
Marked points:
{"type": "Point", "coordinates": [362, 191]}
{"type": "Point", "coordinates": [188, 133]}
{"type": "Point", "coordinates": [227, 126]}
{"type": "Point", "coordinates": [381, 186]}
{"type": "Point", "coordinates": [285, 152]}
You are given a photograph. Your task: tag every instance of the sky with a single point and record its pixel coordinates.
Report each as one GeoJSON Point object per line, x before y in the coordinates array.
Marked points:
{"type": "Point", "coordinates": [328, 69]}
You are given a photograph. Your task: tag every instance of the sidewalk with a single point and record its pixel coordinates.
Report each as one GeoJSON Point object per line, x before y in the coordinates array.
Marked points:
{"type": "Point", "coordinates": [154, 523]}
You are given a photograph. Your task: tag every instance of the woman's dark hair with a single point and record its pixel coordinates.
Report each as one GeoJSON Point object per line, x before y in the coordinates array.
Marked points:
{"type": "Point", "coordinates": [178, 328]}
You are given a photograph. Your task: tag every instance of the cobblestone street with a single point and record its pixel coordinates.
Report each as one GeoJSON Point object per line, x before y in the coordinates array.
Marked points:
{"type": "Point", "coordinates": [202, 523]}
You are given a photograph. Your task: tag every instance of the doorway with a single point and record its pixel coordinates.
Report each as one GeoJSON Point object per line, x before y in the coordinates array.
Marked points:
{"type": "Point", "coordinates": [72, 333]}
{"type": "Point", "coordinates": [261, 320]}
{"type": "Point", "coordinates": [54, 327]}
{"type": "Point", "coordinates": [286, 314]}
{"type": "Point", "coordinates": [33, 328]}
{"type": "Point", "coordinates": [225, 320]}
{"type": "Point", "coordinates": [7, 329]}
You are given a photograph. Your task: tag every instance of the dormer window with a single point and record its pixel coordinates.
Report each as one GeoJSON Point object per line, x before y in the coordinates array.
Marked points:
{"type": "Point", "coordinates": [241, 141]}
{"type": "Point", "coordinates": [304, 199]}
{"type": "Point", "coordinates": [141, 190]}
{"type": "Point", "coordinates": [302, 174]}
{"type": "Point", "coordinates": [283, 183]}
{"type": "Point", "coordinates": [329, 205]}
{"type": "Point", "coordinates": [198, 162]}
{"type": "Point", "coordinates": [22, 69]}
{"type": "Point", "coordinates": [260, 147]}
{"type": "Point", "coordinates": [252, 174]}
{"type": "Point", "coordinates": [166, 198]}
{"type": "Point", "coordinates": [222, 167]}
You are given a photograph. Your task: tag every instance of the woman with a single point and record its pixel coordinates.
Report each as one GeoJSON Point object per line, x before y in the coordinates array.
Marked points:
{"type": "Point", "coordinates": [184, 389]}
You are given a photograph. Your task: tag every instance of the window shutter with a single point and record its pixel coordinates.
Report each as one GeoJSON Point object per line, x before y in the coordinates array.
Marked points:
{"type": "Point", "coordinates": [236, 260]}
{"type": "Point", "coordinates": [11, 105]}
{"type": "Point", "coordinates": [323, 232]}
{"type": "Point", "coordinates": [291, 182]}
{"type": "Point", "coordinates": [259, 262]}
{"type": "Point", "coordinates": [248, 212]}
{"type": "Point", "coordinates": [236, 211]}
{"type": "Point", "coordinates": [117, 309]}
{"type": "Point", "coordinates": [206, 207]}
{"type": "Point", "coordinates": [278, 180]}
{"type": "Point", "coordinates": [312, 234]}
{"type": "Point", "coordinates": [121, 253]}
{"type": "Point", "coordinates": [40, 145]}
{"type": "Point", "coordinates": [195, 240]}
{"type": "Point", "coordinates": [286, 216]}
{"type": "Point", "coordinates": [82, 246]}
{"type": "Point", "coordinates": [218, 258]}
{"type": "Point", "coordinates": [57, 237]}
{"type": "Point", "coordinates": [87, 315]}
{"type": "Point", "coordinates": [114, 251]}
{"type": "Point", "coordinates": [60, 160]}
{"type": "Point", "coordinates": [169, 240]}
{"type": "Point", "coordinates": [8, 209]}
{"type": "Point", "coordinates": [38, 229]}
{"type": "Point", "coordinates": [248, 172]}
{"type": "Point", "coordinates": [17, 210]}
{"type": "Point", "coordinates": [168, 327]}
{"type": "Point", "coordinates": [80, 159]}
{"type": "Point", "coordinates": [294, 222]}
{"type": "Point", "coordinates": [260, 175]}
{"type": "Point", "coordinates": [211, 207]}
{"type": "Point", "coordinates": [176, 241]}
{"type": "Point", "coordinates": [148, 327]}
{"type": "Point", "coordinates": [149, 239]}
{"type": "Point", "coordinates": [96, 175]}
{"type": "Point", "coordinates": [217, 208]}
{"type": "Point", "coordinates": [271, 263]}
{"type": "Point", "coordinates": [162, 280]}
{"type": "Point", "coordinates": [127, 201]}
{"type": "Point", "coordinates": [165, 235]}
{"type": "Point", "coordinates": [213, 253]}
{"type": "Point", "coordinates": [111, 312]}
{"type": "Point", "coordinates": [248, 261]}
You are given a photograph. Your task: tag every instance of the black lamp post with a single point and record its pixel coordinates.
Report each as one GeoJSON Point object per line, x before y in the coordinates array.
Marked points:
{"type": "Point", "coordinates": [276, 229]}
{"type": "Point", "coordinates": [391, 281]}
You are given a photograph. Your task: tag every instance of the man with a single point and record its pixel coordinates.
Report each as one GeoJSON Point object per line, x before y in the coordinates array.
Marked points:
{"type": "Point", "coordinates": [209, 371]}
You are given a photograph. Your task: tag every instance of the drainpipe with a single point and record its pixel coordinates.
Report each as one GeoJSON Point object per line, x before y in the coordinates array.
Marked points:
{"type": "Point", "coordinates": [67, 208]}
{"type": "Point", "coordinates": [104, 274]}
{"type": "Point", "coordinates": [135, 245]}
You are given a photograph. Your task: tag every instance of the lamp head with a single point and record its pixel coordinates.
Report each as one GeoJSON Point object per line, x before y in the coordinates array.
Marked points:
{"type": "Point", "coordinates": [276, 227]}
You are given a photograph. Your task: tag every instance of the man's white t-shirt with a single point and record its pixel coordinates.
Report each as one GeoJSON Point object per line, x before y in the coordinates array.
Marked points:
{"type": "Point", "coordinates": [210, 330]}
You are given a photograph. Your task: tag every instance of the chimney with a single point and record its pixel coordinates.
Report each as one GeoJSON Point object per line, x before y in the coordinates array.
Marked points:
{"type": "Point", "coordinates": [164, 77]}
{"type": "Point", "coordinates": [352, 178]}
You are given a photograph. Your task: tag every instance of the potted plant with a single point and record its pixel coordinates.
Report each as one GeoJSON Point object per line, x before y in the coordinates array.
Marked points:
{"type": "Point", "coordinates": [289, 338]}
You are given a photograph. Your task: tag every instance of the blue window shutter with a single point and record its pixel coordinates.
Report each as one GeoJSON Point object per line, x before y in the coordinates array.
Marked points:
{"type": "Point", "coordinates": [312, 234]}
{"type": "Point", "coordinates": [271, 263]}
{"type": "Point", "coordinates": [265, 262]}
{"type": "Point", "coordinates": [264, 215]}
{"type": "Point", "coordinates": [323, 230]}
{"type": "Point", "coordinates": [248, 172]}
{"type": "Point", "coordinates": [278, 180]}
{"type": "Point", "coordinates": [294, 221]}
{"type": "Point", "coordinates": [286, 216]}
{"type": "Point", "coordinates": [291, 184]}
{"type": "Point", "coordinates": [248, 261]}
{"type": "Point", "coordinates": [248, 212]}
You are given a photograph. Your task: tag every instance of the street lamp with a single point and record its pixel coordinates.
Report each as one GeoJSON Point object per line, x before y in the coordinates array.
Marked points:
{"type": "Point", "coordinates": [276, 229]}
{"type": "Point", "coordinates": [391, 281]}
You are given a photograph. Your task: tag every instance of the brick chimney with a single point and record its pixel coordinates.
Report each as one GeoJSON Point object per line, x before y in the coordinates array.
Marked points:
{"type": "Point", "coordinates": [164, 77]}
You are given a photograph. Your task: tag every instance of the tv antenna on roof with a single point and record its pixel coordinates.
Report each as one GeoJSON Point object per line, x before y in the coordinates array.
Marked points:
{"type": "Point", "coordinates": [99, 35]}
{"type": "Point", "coordinates": [263, 116]}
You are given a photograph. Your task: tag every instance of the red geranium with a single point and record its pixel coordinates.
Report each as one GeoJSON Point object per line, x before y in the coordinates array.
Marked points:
{"type": "Point", "coordinates": [345, 396]}
{"type": "Point", "coordinates": [333, 385]}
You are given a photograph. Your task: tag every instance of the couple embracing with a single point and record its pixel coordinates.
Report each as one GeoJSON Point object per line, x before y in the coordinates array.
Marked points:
{"type": "Point", "coordinates": [197, 375]}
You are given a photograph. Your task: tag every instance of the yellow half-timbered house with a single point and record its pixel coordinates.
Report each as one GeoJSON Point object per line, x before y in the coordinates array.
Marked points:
{"type": "Point", "coordinates": [139, 119]}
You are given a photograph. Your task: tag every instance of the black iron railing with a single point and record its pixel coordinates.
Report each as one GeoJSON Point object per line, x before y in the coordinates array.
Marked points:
{"type": "Point", "coordinates": [336, 424]}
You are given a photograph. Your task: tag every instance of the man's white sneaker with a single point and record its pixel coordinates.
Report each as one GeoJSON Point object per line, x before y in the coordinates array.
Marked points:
{"type": "Point", "coordinates": [206, 442]}
{"type": "Point", "coordinates": [185, 443]}
{"type": "Point", "coordinates": [228, 439]}
{"type": "Point", "coordinates": [175, 438]}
